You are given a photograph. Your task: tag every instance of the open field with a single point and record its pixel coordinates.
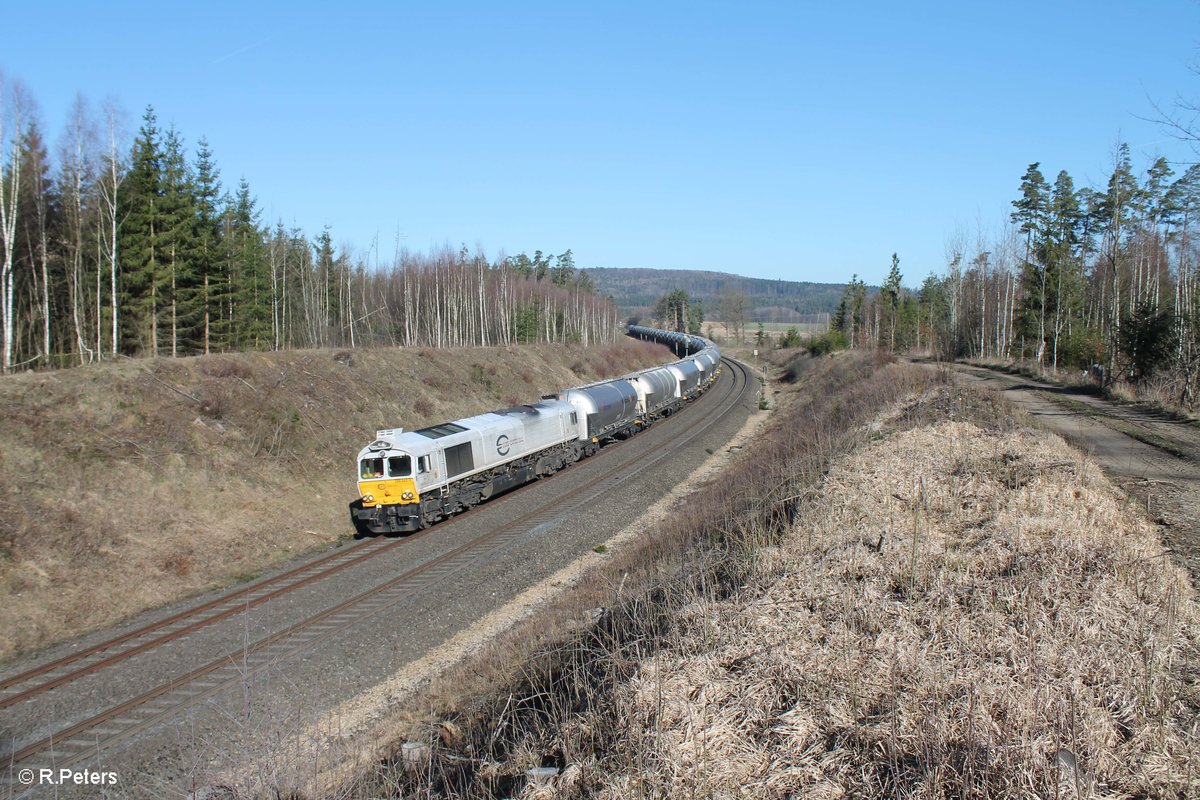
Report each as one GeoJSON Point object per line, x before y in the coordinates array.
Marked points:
{"type": "Point", "coordinates": [721, 334]}
{"type": "Point", "coordinates": [129, 485]}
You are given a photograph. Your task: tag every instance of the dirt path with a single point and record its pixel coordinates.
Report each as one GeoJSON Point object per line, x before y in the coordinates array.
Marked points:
{"type": "Point", "coordinates": [1154, 458]}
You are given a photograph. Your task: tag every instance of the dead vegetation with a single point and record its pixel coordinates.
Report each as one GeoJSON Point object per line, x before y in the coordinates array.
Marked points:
{"type": "Point", "coordinates": [957, 608]}
{"type": "Point", "coordinates": [129, 485]}
{"type": "Point", "coordinates": [966, 615]}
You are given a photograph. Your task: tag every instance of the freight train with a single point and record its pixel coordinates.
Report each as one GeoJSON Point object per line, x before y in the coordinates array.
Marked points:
{"type": "Point", "coordinates": [408, 480]}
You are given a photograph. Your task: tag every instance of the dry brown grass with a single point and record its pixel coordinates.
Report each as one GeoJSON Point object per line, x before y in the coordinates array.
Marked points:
{"type": "Point", "coordinates": [960, 609]}
{"type": "Point", "coordinates": [125, 486]}
{"type": "Point", "coordinates": [971, 614]}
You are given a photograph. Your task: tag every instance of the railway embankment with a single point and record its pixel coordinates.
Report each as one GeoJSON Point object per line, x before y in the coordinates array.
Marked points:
{"type": "Point", "coordinates": [126, 486]}
{"type": "Point", "coordinates": [902, 589]}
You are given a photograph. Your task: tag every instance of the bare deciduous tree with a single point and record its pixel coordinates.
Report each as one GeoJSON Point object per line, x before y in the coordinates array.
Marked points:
{"type": "Point", "coordinates": [12, 123]}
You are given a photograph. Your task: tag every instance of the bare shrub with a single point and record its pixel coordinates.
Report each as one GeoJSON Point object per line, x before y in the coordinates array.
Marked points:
{"type": "Point", "coordinates": [225, 367]}
{"type": "Point", "coordinates": [178, 564]}
{"type": "Point", "coordinates": [422, 407]}
{"type": "Point", "coordinates": [213, 403]}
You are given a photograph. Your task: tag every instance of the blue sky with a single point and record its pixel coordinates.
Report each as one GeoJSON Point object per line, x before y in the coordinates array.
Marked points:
{"type": "Point", "coordinates": [781, 140]}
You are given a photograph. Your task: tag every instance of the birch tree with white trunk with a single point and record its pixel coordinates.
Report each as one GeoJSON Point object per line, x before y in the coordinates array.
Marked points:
{"type": "Point", "coordinates": [11, 125]}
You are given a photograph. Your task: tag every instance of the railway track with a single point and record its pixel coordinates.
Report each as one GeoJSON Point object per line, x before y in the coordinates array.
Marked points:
{"type": "Point", "coordinates": [21, 687]}
{"type": "Point", "coordinates": [72, 744]}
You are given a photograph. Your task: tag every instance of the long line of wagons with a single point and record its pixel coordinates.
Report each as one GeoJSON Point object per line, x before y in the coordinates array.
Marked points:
{"type": "Point", "coordinates": [408, 480]}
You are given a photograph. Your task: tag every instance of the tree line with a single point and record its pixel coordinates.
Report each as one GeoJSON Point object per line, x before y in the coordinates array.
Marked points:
{"type": "Point", "coordinates": [1100, 279]}
{"type": "Point", "coordinates": [888, 318]}
{"type": "Point", "coordinates": [112, 249]}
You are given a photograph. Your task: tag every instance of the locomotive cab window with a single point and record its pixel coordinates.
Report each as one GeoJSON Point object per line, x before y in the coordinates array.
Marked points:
{"type": "Point", "coordinates": [399, 466]}
{"type": "Point", "coordinates": [423, 465]}
{"type": "Point", "coordinates": [371, 468]}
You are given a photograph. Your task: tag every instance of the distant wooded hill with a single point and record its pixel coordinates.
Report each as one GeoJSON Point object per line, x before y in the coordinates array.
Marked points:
{"type": "Point", "coordinates": [636, 290]}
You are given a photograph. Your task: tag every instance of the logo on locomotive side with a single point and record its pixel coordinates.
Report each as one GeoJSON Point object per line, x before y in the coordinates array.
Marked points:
{"type": "Point", "coordinates": [502, 444]}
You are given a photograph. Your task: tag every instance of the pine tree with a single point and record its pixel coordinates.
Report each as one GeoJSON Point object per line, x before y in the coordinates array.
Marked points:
{"type": "Point", "coordinates": [1064, 277]}
{"type": "Point", "coordinates": [934, 308]}
{"type": "Point", "coordinates": [891, 296]}
{"type": "Point", "coordinates": [563, 271]}
{"type": "Point", "coordinates": [322, 304]}
{"type": "Point", "coordinates": [1030, 216]}
{"type": "Point", "coordinates": [849, 316]}
{"type": "Point", "coordinates": [1116, 210]}
{"type": "Point", "coordinates": [1147, 340]}
{"type": "Point", "coordinates": [673, 310]}
{"type": "Point", "coordinates": [695, 317]}
{"type": "Point", "coordinates": [178, 282]}
{"type": "Point", "coordinates": [248, 272]}
{"type": "Point", "coordinates": [207, 264]}
{"type": "Point", "coordinates": [141, 232]}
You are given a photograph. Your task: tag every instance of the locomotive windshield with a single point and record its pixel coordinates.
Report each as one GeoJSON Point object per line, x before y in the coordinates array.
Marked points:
{"type": "Point", "coordinates": [397, 467]}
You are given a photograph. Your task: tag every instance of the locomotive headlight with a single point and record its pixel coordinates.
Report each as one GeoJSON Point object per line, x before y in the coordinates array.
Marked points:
{"type": "Point", "coordinates": [406, 496]}
{"type": "Point", "coordinates": [368, 498]}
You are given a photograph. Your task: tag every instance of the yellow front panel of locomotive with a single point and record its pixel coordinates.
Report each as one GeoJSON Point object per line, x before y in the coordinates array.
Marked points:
{"type": "Point", "coordinates": [388, 492]}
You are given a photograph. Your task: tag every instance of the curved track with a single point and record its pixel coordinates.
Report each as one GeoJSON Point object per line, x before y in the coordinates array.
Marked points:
{"type": "Point", "coordinates": [72, 744]}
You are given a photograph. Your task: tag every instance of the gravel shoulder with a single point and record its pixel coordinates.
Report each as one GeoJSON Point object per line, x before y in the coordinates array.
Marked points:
{"type": "Point", "coordinates": [1156, 459]}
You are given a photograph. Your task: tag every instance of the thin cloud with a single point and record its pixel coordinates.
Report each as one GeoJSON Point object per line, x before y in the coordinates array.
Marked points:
{"type": "Point", "coordinates": [241, 50]}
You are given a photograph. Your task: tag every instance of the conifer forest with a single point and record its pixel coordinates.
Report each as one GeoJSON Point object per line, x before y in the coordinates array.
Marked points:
{"type": "Point", "coordinates": [1100, 279]}
{"type": "Point", "coordinates": [112, 248]}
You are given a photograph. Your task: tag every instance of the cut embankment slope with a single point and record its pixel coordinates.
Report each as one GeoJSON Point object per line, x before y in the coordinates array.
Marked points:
{"type": "Point", "coordinates": [963, 612]}
{"type": "Point", "coordinates": [129, 485]}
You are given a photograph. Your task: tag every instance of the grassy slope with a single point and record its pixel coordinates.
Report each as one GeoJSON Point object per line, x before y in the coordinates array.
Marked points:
{"type": "Point", "coordinates": [900, 592]}
{"type": "Point", "coordinates": [963, 613]}
{"type": "Point", "coordinates": [125, 486]}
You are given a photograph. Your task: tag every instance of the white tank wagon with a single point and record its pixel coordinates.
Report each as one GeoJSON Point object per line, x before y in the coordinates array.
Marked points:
{"type": "Point", "coordinates": [409, 480]}
{"type": "Point", "coordinates": [684, 344]}
{"type": "Point", "coordinates": [700, 359]}
{"type": "Point", "coordinates": [609, 408]}
{"type": "Point", "coordinates": [688, 375]}
{"type": "Point", "coordinates": [658, 392]}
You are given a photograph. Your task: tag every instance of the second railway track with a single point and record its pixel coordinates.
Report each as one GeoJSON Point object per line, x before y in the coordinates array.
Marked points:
{"type": "Point", "coordinates": [72, 743]}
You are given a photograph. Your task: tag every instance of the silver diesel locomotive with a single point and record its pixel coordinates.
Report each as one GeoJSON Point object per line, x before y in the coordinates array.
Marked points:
{"type": "Point", "coordinates": [407, 480]}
